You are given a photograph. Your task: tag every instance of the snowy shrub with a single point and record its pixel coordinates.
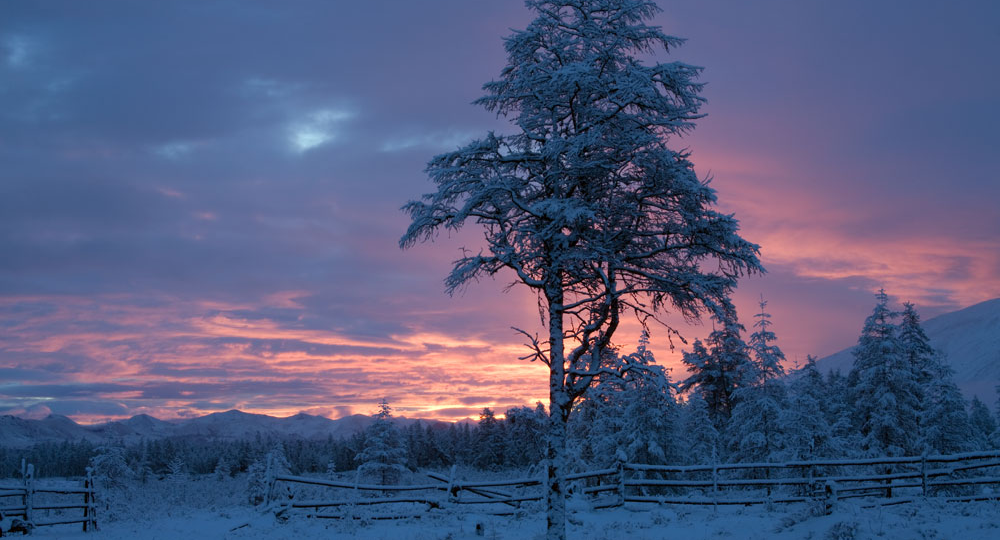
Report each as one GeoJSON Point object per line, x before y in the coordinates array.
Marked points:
{"type": "Point", "coordinates": [114, 483]}
{"type": "Point", "coordinates": [257, 483]}
{"type": "Point", "coordinates": [842, 530]}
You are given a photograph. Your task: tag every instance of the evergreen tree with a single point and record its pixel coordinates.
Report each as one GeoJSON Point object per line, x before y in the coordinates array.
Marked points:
{"type": "Point", "coordinates": [649, 410]}
{"type": "Point", "coordinates": [885, 392]}
{"type": "Point", "coordinates": [915, 347]}
{"type": "Point", "coordinates": [982, 424]}
{"type": "Point", "coordinates": [489, 441]}
{"type": "Point", "coordinates": [177, 471]}
{"type": "Point", "coordinates": [810, 416]}
{"type": "Point", "coordinates": [384, 455]}
{"type": "Point", "coordinates": [525, 436]}
{"type": "Point", "coordinates": [767, 358]}
{"type": "Point", "coordinates": [840, 413]}
{"type": "Point", "coordinates": [222, 469]}
{"type": "Point", "coordinates": [257, 483]}
{"type": "Point", "coordinates": [717, 372]}
{"type": "Point", "coordinates": [700, 438]}
{"type": "Point", "coordinates": [756, 430]}
{"type": "Point", "coordinates": [945, 427]}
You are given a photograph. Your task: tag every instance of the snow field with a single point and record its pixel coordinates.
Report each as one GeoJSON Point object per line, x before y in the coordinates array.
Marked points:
{"type": "Point", "coordinates": [923, 521]}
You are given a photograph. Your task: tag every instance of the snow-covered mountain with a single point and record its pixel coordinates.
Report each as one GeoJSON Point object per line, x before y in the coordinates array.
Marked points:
{"type": "Point", "coordinates": [230, 425]}
{"type": "Point", "coordinates": [969, 338]}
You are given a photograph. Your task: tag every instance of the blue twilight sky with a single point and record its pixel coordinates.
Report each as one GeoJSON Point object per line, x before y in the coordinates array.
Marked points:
{"type": "Point", "coordinates": [199, 200]}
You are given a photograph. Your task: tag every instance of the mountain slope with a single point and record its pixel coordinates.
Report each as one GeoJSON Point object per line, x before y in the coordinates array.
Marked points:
{"type": "Point", "coordinates": [970, 340]}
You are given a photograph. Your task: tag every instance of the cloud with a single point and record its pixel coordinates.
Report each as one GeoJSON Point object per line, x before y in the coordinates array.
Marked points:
{"type": "Point", "coordinates": [434, 141]}
{"type": "Point", "coordinates": [317, 129]}
{"type": "Point", "coordinates": [18, 50]}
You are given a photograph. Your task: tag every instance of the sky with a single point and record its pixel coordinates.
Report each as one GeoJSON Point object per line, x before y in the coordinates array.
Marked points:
{"type": "Point", "coordinates": [200, 200]}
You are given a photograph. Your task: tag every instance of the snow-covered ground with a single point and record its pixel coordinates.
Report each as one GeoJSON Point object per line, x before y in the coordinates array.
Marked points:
{"type": "Point", "coordinates": [925, 520]}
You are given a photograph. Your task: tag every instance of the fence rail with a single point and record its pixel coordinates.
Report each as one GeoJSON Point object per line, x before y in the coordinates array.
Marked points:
{"type": "Point", "coordinates": [722, 484]}
{"type": "Point", "coordinates": [29, 505]}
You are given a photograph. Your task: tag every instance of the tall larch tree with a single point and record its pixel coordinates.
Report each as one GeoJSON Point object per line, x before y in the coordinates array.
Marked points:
{"type": "Point", "coordinates": [756, 431]}
{"type": "Point", "coordinates": [585, 203]}
{"type": "Point", "coordinates": [720, 369]}
{"type": "Point", "coordinates": [885, 392]}
{"type": "Point", "coordinates": [809, 417]}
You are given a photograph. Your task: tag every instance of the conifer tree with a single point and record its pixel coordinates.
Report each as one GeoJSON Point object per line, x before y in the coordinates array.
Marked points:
{"type": "Point", "coordinates": [808, 416]}
{"type": "Point", "coordinates": [885, 393]}
{"type": "Point", "coordinates": [700, 439]}
{"type": "Point", "coordinates": [384, 455]}
{"type": "Point", "coordinates": [767, 357]}
{"type": "Point", "coordinates": [945, 427]}
{"type": "Point", "coordinates": [915, 347]}
{"type": "Point", "coordinates": [982, 424]}
{"type": "Point", "coordinates": [718, 371]}
{"type": "Point", "coordinates": [489, 441]}
{"type": "Point", "coordinates": [649, 410]}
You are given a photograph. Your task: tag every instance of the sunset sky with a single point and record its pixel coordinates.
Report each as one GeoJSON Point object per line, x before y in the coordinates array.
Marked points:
{"type": "Point", "coordinates": [199, 200]}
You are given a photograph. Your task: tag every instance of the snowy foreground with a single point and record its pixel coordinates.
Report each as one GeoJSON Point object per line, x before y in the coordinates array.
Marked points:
{"type": "Point", "coordinates": [926, 520]}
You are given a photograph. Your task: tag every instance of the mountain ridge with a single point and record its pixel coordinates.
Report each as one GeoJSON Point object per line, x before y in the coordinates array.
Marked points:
{"type": "Point", "coordinates": [233, 425]}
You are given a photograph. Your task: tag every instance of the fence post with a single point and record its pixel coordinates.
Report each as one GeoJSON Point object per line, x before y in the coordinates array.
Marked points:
{"type": "Point", "coordinates": [715, 485]}
{"type": "Point", "coordinates": [831, 496]}
{"type": "Point", "coordinates": [810, 486]}
{"type": "Point", "coordinates": [923, 472]}
{"type": "Point", "coordinates": [620, 466]}
{"type": "Point", "coordinates": [29, 493]}
{"type": "Point", "coordinates": [89, 510]}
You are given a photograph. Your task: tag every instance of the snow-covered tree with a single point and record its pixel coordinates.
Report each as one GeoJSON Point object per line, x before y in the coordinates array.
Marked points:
{"type": "Point", "coordinates": [489, 441]}
{"type": "Point", "coordinates": [113, 481]}
{"type": "Point", "coordinates": [177, 471]}
{"type": "Point", "coordinates": [885, 391]}
{"type": "Point", "coordinates": [223, 469]}
{"type": "Point", "coordinates": [700, 439]}
{"type": "Point", "coordinates": [629, 417]}
{"type": "Point", "coordinates": [809, 416]}
{"type": "Point", "coordinates": [262, 472]}
{"type": "Point", "coordinates": [718, 371]}
{"type": "Point", "coordinates": [756, 429]}
{"type": "Point", "coordinates": [586, 204]}
{"type": "Point", "coordinates": [945, 427]}
{"type": "Point", "coordinates": [384, 455]}
{"type": "Point", "coordinates": [767, 357]}
{"type": "Point", "coordinates": [915, 346]}
{"type": "Point", "coordinates": [257, 483]}
{"type": "Point", "coordinates": [982, 423]}
{"type": "Point", "coordinates": [525, 435]}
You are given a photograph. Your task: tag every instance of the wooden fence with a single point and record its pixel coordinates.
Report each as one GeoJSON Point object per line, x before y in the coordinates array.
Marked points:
{"type": "Point", "coordinates": [31, 500]}
{"type": "Point", "coordinates": [824, 481]}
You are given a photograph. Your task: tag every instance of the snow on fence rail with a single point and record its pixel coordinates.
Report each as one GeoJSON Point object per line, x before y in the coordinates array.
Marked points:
{"type": "Point", "coordinates": [640, 483]}
{"type": "Point", "coordinates": [28, 506]}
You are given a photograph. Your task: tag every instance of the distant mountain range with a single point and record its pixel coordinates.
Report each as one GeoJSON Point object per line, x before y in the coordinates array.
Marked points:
{"type": "Point", "coordinates": [230, 425]}
{"type": "Point", "coordinates": [970, 340]}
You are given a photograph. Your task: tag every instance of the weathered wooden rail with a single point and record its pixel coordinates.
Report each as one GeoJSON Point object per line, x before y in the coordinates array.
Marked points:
{"type": "Point", "coordinates": [720, 484]}
{"type": "Point", "coordinates": [28, 506]}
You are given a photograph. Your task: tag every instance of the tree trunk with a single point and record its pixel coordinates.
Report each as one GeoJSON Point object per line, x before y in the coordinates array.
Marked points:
{"type": "Point", "coordinates": [556, 495]}
{"type": "Point", "coordinates": [559, 404]}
